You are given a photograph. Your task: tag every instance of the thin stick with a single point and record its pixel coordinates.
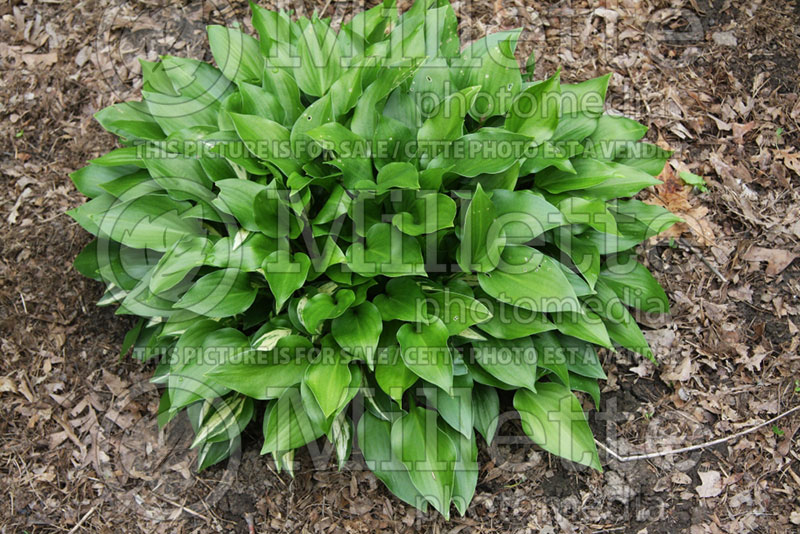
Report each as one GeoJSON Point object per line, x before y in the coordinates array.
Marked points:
{"type": "Point", "coordinates": [699, 254]}
{"type": "Point", "coordinates": [693, 447]}
{"type": "Point", "coordinates": [84, 518]}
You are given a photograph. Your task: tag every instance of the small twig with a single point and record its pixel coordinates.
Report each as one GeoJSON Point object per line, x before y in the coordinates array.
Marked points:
{"type": "Point", "coordinates": [82, 520]}
{"type": "Point", "coordinates": [182, 507]}
{"type": "Point", "coordinates": [693, 447]}
{"type": "Point", "coordinates": [699, 254]}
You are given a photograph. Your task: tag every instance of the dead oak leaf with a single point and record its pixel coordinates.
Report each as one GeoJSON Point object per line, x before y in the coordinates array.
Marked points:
{"type": "Point", "coordinates": [673, 195]}
{"type": "Point", "coordinates": [791, 159]}
{"type": "Point", "coordinates": [777, 259]}
{"type": "Point", "coordinates": [711, 484]}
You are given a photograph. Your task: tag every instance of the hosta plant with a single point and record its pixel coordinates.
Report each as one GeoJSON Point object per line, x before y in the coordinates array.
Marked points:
{"type": "Point", "coordinates": [373, 236]}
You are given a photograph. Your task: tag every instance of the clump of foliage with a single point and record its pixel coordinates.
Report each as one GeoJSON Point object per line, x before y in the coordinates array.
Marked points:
{"type": "Point", "coordinates": [373, 218]}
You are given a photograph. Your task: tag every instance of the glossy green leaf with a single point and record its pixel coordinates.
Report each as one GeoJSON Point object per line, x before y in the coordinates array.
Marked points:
{"type": "Point", "coordinates": [553, 419]}
{"type": "Point", "coordinates": [428, 454]}
{"type": "Point", "coordinates": [486, 410]}
{"type": "Point", "coordinates": [285, 274]}
{"type": "Point", "coordinates": [221, 293]}
{"type": "Point", "coordinates": [425, 352]}
{"type": "Point", "coordinates": [237, 54]}
{"type": "Point", "coordinates": [286, 424]}
{"type": "Point", "coordinates": [375, 442]}
{"type": "Point", "coordinates": [531, 280]}
{"type": "Point", "coordinates": [482, 239]}
{"type": "Point", "coordinates": [387, 251]}
{"type": "Point", "coordinates": [357, 331]}
{"type": "Point", "coordinates": [266, 375]}
{"type": "Point", "coordinates": [513, 362]}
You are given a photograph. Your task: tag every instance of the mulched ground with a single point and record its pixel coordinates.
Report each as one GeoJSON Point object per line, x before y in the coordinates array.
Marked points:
{"type": "Point", "coordinates": [718, 83]}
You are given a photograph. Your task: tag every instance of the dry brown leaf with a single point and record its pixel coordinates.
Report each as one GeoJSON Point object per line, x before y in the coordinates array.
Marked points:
{"type": "Point", "coordinates": [680, 373]}
{"type": "Point", "coordinates": [777, 259]}
{"type": "Point", "coordinates": [711, 484]}
{"type": "Point", "coordinates": [790, 158]}
{"type": "Point", "coordinates": [40, 60]}
{"type": "Point", "coordinates": [673, 195]}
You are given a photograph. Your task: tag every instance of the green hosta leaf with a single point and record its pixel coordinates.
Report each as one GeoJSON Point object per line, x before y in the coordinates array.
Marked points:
{"type": "Point", "coordinates": [490, 63]}
{"type": "Point", "coordinates": [181, 259]}
{"type": "Point", "coordinates": [446, 123]}
{"type": "Point", "coordinates": [267, 140]}
{"type": "Point", "coordinates": [398, 175]}
{"type": "Point", "coordinates": [226, 422]}
{"type": "Point", "coordinates": [489, 150]}
{"type": "Point", "coordinates": [644, 156]}
{"type": "Point", "coordinates": [512, 362]}
{"type": "Point", "coordinates": [375, 442]}
{"type": "Point", "coordinates": [529, 279]}
{"type": "Point", "coordinates": [284, 366]}
{"type": "Point", "coordinates": [402, 300]}
{"type": "Point", "coordinates": [90, 179]}
{"type": "Point", "coordinates": [581, 357]}
{"type": "Point", "coordinates": [635, 286]}
{"type": "Point", "coordinates": [615, 131]}
{"type": "Point", "coordinates": [285, 274]}
{"type": "Point", "coordinates": [593, 212]}
{"type": "Point", "coordinates": [357, 331]}
{"type": "Point", "coordinates": [621, 326]}
{"type": "Point", "coordinates": [221, 293]}
{"type": "Point", "coordinates": [552, 356]}
{"type": "Point", "coordinates": [429, 455]}
{"type": "Point", "coordinates": [587, 385]}
{"type": "Point", "coordinates": [425, 352]}
{"type": "Point", "coordinates": [457, 311]}
{"type": "Point", "coordinates": [323, 306]}
{"type": "Point", "coordinates": [212, 453]}
{"type": "Point", "coordinates": [509, 322]}
{"type": "Point", "coordinates": [273, 214]}
{"type": "Point", "coordinates": [548, 155]}
{"type": "Point", "coordinates": [588, 172]}
{"type": "Point", "coordinates": [287, 425]}
{"type": "Point", "coordinates": [523, 215]}
{"type": "Point", "coordinates": [486, 410]}
{"type": "Point", "coordinates": [341, 436]}
{"type": "Point", "coordinates": [320, 64]}
{"type": "Point", "coordinates": [257, 101]}
{"type": "Point", "coordinates": [585, 97]}
{"type": "Point", "coordinates": [387, 251]}
{"type": "Point", "coordinates": [465, 472]}
{"type": "Point", "coordinates": [428, 214]}
{"type": "Point", "coordinates": [199, 350]}
{"type": "Point", "coordinates": [236, 54]}
{"type": "Point", "coordinates": [482, 238]}
{"type": "Point", "coordinates": [626, 182]}
{"type": "Point", "coordinates": [583, 254]}
{"type": "Point", "coordinates": [353, 152]}
{"type": "Point", "coordinates": [328, 379]}
{"type": "Point", "coordinates": [392, 375]}
{"type": "Point", "coordinates": [86, 262]}
{"type": "Point", "coordinates": [553, 418]}
{"type": "Point", "coordinates": [535, 111]}
{"type": "Point", "coordinates": [151, 221]}
{"type": "Point", "coordinates": [130, 120]}
{"type": "Point", "coordinates": [121, 157]}
{"type": "Point", "coordinates": [236, 198]}
{"type": "Point", "coordinates": [455, 409]}
{"type": "Point", "coordinates": [244, 251]}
